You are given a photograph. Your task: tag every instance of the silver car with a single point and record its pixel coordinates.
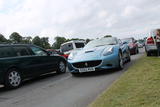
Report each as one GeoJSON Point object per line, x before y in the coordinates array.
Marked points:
{"type": "Point", "coordinates": [150, 44]}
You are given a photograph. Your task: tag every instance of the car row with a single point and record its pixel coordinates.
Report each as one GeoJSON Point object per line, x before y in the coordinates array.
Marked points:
{"type": "Point", "coordinates": [22, 61]}
{"type": "Point", "coordinates": [133, 45]}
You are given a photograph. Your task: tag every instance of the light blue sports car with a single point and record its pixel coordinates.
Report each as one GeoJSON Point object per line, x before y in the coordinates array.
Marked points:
{"type": "Point", "coordinates": [99, 54]}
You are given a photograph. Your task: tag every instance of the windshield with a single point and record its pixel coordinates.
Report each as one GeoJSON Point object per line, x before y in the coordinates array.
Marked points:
{"type": "Point", "coordinates": [79, 45]}
{"type": "Point", "coordinates": [101, 42]}
{"type": "Point", "coordinates": [67, 47]}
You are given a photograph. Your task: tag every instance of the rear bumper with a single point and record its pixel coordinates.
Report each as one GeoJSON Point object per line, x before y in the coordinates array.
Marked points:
{"type": "Point", "coordinates": [151, 48]}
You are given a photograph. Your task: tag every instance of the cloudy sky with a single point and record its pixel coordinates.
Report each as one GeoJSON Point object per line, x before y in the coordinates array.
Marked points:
{"type": "Point", "coordinates": [79, 18]}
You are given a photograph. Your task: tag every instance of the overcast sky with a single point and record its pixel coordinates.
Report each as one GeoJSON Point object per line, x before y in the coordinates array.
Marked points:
{"type": "Point", "coordinates": [79, 18]}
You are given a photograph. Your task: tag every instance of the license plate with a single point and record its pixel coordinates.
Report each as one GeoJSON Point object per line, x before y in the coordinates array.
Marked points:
{"type": "Point", "coordinates": [86, 69]}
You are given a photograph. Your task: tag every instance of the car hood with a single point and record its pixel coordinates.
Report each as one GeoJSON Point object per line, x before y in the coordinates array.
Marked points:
{"type": "Point", "coordinates": [94, 53]}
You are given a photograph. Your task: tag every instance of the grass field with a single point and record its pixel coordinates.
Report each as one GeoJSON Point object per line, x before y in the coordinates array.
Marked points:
{"type": "Point", "coordinates": [139, 87]}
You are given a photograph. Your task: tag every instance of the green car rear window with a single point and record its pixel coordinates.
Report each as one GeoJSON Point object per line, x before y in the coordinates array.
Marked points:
{"type": "Point", "coordinates": [21, 51]}
{"type": "Point", "coordinates": [6, 52]}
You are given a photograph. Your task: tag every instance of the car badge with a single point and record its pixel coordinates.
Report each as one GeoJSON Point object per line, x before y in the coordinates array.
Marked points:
{"type": "Point", "coordinates": [86, 64]}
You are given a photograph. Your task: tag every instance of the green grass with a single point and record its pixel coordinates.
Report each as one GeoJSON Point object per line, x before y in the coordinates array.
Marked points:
{"type": "Point", "coordinates": [139, 87]}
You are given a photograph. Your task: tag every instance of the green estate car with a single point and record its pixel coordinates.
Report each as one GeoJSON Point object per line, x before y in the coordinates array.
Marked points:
{"type": "Point", "coordinates": [21, 61]}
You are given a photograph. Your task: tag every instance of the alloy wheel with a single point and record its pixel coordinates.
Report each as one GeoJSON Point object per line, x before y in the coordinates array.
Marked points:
{"type": "Point", "coordinates": [14, 78]}
{"type": "Point", "coordinates": [121, 61]}
{"type": "Point", "coordinates": [62, 67]}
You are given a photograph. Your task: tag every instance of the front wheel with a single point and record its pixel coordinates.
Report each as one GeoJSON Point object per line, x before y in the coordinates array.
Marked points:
{"type": "Point", "coordinates": [148, 53]}
{"type": "Point", "coordinates": [61, 67]}
{"type": "Point", "coordinates": [137, 51]}
{"type": "Point", "coordinates": [121, 64]}
{"type": "Point", "coordinates": [13, 79]}
{"type": "Point", "coordinates": [129, 57]}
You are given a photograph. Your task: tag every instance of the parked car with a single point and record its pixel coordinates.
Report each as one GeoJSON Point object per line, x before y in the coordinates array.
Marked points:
{"type": "Point", "coordinates": [133, 45]}
{"type": "Point", "coordinates": [55, 52]}
{"type": "Point", "coordinates": [70, 46]}
{"type": "Point", "coordinates": [150, 44]}
{"type": "Point", "coordinates": [140, 45]}
{"type": "Point", "coordinates": [18, 62]}
{"type": "Point", "coordinates": [99, 54]}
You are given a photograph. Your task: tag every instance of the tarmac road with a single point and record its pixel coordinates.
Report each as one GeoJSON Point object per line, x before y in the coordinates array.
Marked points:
{"type": "Point", "coordinates": [62, 90]}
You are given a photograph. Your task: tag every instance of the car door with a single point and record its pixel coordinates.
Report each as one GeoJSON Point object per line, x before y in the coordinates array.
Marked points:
{"type": "Point", "coordinates": [43, 60]}
{"type": "Point", "coordinates": [25, 61]}
{"type": "Point", "coordinates": [123, 48]}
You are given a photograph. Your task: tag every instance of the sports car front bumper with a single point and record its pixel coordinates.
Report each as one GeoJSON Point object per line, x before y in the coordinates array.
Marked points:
{"type": "Point", "coordinates": [107, 62]}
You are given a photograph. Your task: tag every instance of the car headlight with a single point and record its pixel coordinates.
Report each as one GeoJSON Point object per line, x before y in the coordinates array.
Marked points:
{"type": "Point", "coordinates": [108, 51]}
{"type": "Point", "coordinates": [72, 55]}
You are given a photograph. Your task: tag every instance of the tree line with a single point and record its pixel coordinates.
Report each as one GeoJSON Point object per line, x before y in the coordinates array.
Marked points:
{"type": "Point", "coordinates": [16, 38]}
{"type": "Point", "coordinates": [43, 42]}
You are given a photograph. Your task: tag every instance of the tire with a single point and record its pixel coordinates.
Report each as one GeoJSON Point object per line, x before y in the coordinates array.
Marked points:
{"type": "Point", "coordinates": [121, 64]}
{"type": "Point", "coordinates": [148, 53]}
{"type": "Point", "coordinates": [129, 57]}
{"type": "Point", "coordinates": [156, 53]}
{"type": "Point", "coordinates": [61, 67]}
{"type": "Point", "coordinates": [137, 51]}
{"type": "Point", "coordinates": [13, 79]}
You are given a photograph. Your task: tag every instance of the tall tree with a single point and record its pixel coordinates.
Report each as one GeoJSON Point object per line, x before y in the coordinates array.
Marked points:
{"type": "Point", "coordinates": [58, 41]}
{"type": "Point", "coordinates": [27, 40]}
{"type": "Point", "coordinates": [37, 41]}
{"type": "Point", "coordinates": [45, 42]}
{"type": "Point", "coordinates": [42, 42]}
{"type": "Point", "coordinates": [3, 39]}
{"type": "Point", "coordinates": [108, 36]}
{"type": "Point", "coordinates": [15, 37]}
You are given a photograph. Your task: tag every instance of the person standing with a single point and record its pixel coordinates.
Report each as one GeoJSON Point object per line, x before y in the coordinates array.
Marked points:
{"type": "Point", "coordinates": [158, 41]}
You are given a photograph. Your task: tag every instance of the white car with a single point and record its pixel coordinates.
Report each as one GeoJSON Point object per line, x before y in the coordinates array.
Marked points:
{"type": "Point", "coordinates": [140, 45]}
{"type": "Point", "coordinates": [150, 44]}
{"type": "Point", "coordinates": [71, 46]}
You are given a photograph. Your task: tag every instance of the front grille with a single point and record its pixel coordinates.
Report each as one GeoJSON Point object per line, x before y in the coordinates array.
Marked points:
{"type": "Point", "coordinates": [87, 64]}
